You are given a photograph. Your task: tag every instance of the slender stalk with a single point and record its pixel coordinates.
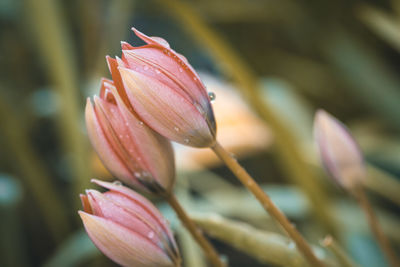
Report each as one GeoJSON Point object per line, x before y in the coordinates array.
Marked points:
{"type": "Point", "coordinates": [208, 249]}
{"type": "Point", "coordinates": [383, 241]}
{"type": "Point", "coordinates": [266, 202]}
{"type": "Point", "coordinates": [341, 255]}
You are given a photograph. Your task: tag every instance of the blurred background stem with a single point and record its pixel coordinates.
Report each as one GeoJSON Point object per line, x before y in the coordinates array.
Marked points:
{"type": "Point", "coordinates": [341, 255]}
{"type": "Point", "coordinates": [233, 66]}
{"type": "Point", "coordinates": [383, 241]}
{"type": "Point", "coordinates": [33, 173]}
{"type": "Point", "coordinates": [55, 47]}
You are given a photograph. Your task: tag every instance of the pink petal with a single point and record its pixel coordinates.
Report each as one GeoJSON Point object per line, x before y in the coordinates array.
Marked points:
{"type": "Point", "coordinates": [141, 201]}
{"type": "Point", "coordinates": [159, 159]}
{"type": "Point", "coordinates": [166, 111]}
{"type": "Point", "coordinates": [128, 215]}
{"type": "Point", "coordinates": [122, 245]}
{"type": "Point", "coordinates": [104, 149]}
{"type": "Point", "coordinates": [115, 131]}
{"type": "Point", "coordinates": [116, 76]}
{"type": "Point", "coordinates": [164, 65]}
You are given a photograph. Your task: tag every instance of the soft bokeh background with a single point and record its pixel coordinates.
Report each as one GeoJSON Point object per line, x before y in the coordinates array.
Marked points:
{"type": "Point", "coordinates": [270, 63]}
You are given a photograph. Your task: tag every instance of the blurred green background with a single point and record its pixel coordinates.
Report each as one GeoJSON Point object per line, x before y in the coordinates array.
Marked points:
{"type": "Point", "coordinates": [285, 58]}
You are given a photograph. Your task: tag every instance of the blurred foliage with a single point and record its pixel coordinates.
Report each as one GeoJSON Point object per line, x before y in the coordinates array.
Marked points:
{"type": "Point", "coordinates": [342, 56]}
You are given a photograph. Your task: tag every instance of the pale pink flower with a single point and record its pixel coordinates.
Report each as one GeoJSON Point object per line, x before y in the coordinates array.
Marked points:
{"type": "Point", "coordinates": [128, 228]}
{"type": "Point", "coordinates": [166, 92]}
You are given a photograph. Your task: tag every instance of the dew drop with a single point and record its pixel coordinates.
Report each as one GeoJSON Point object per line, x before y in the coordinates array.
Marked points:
{"type": "Point", "coordinates": [117, 183]}
{"type": "Point", "coordinates": [194, 78]}
{"type": "Point", "coordinates": [212, 96]}
{"type": "Point", "coordinates": [157, 71]}
{"type": "Point", "coordinates": [137, 174]}
{"type": "Point", "coordinates": [150, 235]}
{"type": "Point", "coordinates": [146, 67]}
{"type": "Point", "coordinates": [180, 70]}
{"type": "Point", "coordinates": [141, 122]}
{"type": "Point", "coordinates": [186, 140]}
{"type": "Point", "coordinates": [176, 129]}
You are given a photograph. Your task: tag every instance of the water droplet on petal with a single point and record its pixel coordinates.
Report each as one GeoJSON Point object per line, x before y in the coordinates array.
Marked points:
{"type": "Point", "coordinates": [157, 71]}
{"type": "Point", "coordinates": [211, 95]}
{"type": "Point", "coordinates": [150, 235]}
{"type": "Point", "coordinates": [194, 78]}
{"type": "Point", "coordinates": [117, 182]}
{"type": "Point", "coordinates": [137, 174]}
{"type": "Point", "coordinates": [141, 122]}
{"type": "Point", "coordinates": [180, 70]}
{"type": "Point", "coordinates": [176, 129]}
{"type": "Point", "coordinates": [186, 140]}
{"type": "Point", "coordinates": [146, 67]}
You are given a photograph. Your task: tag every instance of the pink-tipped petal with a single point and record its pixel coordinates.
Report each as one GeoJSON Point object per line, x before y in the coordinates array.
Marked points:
{"type": "Point", "coordinates": [151, 40]}
{"type": "Point", "coordinates": [166, 111]}
{"type": "Point", "coordinates": [122, 245]}
{"type": "Point", "coordinates": [126, 46]}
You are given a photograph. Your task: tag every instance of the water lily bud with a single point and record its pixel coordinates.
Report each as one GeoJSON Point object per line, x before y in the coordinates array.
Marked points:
{"type": "Point", "coordinates": [339, 152]}
{"type": "Point", "coordinates": [167, 93]}
{"type": "Point", "coordinates": [128, 148]}
{"type": "Point", "coordinates": [128, 228]}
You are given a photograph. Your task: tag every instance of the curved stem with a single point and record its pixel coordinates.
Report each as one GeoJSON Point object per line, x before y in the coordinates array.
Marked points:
{"type": "Point", "coordinates": [208, 249]}
{"type": "Point", "coordinates": [266, 202]}
{"type": "Point", "coordinates": [383, 241]}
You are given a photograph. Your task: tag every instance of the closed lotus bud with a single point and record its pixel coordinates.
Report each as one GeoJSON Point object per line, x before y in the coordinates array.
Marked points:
{"type": "Point", "coordinates": [128, 148]}
{"type": "Point", "coordinates": [339, 152]}
{"type": "Point", "coordinates": [127, 227]}
{"type": "Point", "coordinates": [167, 93]}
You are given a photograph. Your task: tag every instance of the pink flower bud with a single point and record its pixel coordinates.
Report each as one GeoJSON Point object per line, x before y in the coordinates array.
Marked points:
{"type": "Point", "coordinates": [339, 152]}
{"type": "Point", "coordinates": [127, 228]}
{"type": "Point", "coordinates": [128, 148]}
{"type": "Point", "coordinates": [166, 92]}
